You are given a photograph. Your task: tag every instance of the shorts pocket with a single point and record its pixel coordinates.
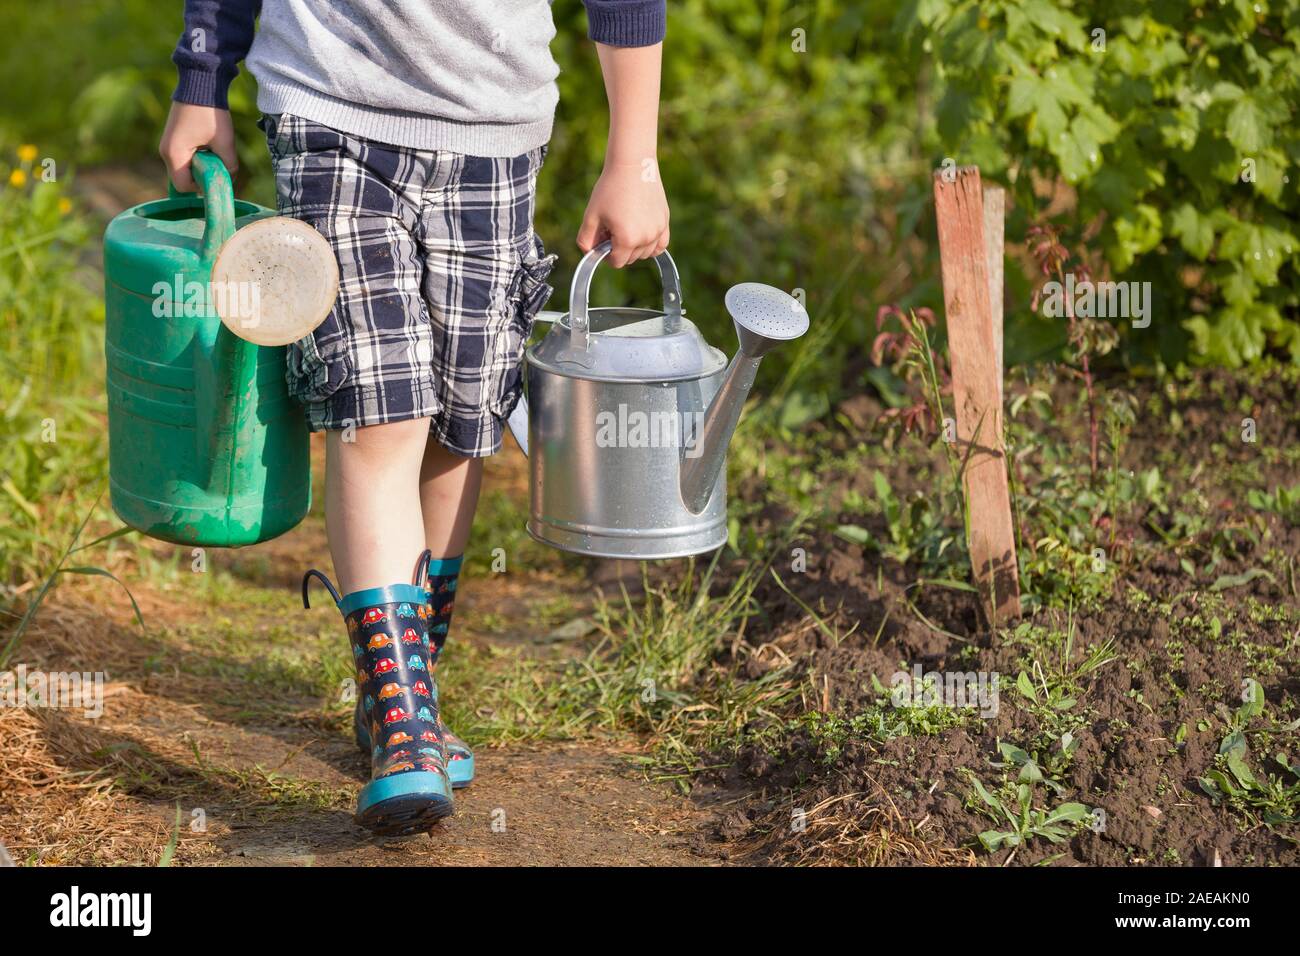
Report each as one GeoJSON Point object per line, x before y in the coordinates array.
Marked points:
{"type": "Point", "coordinates": [318, 365]}
{"type": "Point", "coordinates": [529, 291]}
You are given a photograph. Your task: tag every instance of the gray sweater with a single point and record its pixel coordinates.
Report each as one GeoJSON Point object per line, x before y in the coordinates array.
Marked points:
{"type": "Point", "coordinates": [469, 76]}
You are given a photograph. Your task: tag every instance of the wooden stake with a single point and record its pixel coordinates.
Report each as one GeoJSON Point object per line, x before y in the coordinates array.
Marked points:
{"type": "Point", "coordinates": [964, 251]}
{"type": "Point", "coordinates": [995, 213]}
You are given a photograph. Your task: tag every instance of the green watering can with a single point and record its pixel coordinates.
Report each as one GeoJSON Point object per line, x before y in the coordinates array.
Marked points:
{"type": "Point", "coordinates": [206, 447]}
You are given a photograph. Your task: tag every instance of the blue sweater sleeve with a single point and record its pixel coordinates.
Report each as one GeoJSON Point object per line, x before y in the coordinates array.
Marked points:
{"type": "Point", "coordinates": [217, 36]}
{"type": "Point", "coordinates": [626, 22]}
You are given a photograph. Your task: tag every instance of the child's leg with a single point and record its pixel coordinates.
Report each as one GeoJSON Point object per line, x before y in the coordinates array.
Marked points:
{"type": "Point", "coordinates": [484, 280]}
{"type": "Point", "coordinates": [372, 502]}
{"type": "Point", "coordinates": [449, 488]}
{"type": "Point", "coordinates": [365, 376]}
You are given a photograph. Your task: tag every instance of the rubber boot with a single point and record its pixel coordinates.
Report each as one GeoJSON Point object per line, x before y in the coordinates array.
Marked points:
{"type": "Point", "coordinates": [441, 586]}
{"type": "Point", "coordinates": [409, 789]}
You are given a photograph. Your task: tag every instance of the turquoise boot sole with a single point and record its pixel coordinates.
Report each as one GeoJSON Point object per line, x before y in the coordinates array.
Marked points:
{"type": "Point", "coordinates": [460, 771]}
{"type": "Point", "coordinates": [404, 803]}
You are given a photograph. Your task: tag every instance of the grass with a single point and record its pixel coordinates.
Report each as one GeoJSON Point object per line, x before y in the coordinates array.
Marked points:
{"type": "Point", "coordinates": [53, 467]}
{"type": "Point", "coordinates": [653, 670]}
{"type": "Point", "coordinates": [54, 463]}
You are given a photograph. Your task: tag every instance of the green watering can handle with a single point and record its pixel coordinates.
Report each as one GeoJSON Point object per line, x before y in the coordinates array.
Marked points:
{"type": "Point", "coordinates": [218, 201]}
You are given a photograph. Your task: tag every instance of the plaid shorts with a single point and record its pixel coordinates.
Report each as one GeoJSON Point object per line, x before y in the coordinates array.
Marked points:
{"type": "Point", "coordinates": [440, 276]}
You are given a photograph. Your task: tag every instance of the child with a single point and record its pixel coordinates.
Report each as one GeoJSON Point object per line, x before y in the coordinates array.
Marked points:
{"type": "Point", "coordinates": [410, 134]}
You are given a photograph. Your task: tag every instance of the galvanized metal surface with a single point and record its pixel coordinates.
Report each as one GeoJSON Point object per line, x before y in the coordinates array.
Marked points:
{"type": "Point", "coordinates": [629, 414]}
{"type": "Point", "coordinates": [617, 500]}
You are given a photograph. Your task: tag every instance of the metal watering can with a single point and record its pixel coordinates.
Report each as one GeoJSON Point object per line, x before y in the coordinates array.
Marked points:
{"type": "Point", "coordinates": [206, 447]}
{"type": "Point", "coordinates": [629, 413]}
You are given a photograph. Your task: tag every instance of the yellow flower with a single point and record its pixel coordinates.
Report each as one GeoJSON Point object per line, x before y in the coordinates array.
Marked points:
{"type": "Point", "coordinates": [17, 178]}
{"type": "Point", "coordinates": [27, 153]}
{"type": "Point", "coordinates": [65, 206]}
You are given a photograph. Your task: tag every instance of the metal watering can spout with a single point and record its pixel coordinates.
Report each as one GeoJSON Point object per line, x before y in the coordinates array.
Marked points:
{"type": "Point", "coordinates": [764, 317]}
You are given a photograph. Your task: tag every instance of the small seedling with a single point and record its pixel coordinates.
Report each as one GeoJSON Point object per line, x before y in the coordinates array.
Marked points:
{"type": "Point", "coordinates": [1014, 807]}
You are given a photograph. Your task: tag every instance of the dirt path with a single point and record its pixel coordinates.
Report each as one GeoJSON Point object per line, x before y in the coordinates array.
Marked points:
{"type": "Point", "coordinates": [212, 710]}
{"type": "Point", "coordinates": [224, 708]}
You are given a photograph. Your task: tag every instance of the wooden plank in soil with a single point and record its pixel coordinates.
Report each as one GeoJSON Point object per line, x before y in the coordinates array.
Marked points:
{"type": "Point", "coordinates": [964, 254]}
{"type": "Point", "coordinates": [995, 211]}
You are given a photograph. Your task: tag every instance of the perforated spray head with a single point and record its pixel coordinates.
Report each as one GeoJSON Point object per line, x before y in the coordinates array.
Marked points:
{"type": "Point", "coordinates": [765, 317]}
{"type": "Point", "coordinates": [275, 281]}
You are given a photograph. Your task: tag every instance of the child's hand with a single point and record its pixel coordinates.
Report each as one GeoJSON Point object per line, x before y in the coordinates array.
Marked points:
{"type": "Point", "coordinates": [628, 207]}
{"type": "Point", "coordinates": [189, 129]}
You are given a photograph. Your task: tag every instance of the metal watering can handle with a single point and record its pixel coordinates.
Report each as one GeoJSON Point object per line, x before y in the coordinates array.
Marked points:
{"type": "Point", "coordinates": [579, 321]}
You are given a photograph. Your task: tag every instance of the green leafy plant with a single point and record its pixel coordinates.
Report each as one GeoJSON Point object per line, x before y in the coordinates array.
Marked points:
{"type": "Point", "coordinates": [1045, 766]}
{"type": "Point", "coordinates": [1168, 128]}
{"type": "Point", "coordinates": [1013, 807]}
{"type": "Point", "coordinates": [1284, 502]}
{"type": "Point", "coordinates": [1276, 796]}
{"type": "Point", "coordinates": [915, 528]}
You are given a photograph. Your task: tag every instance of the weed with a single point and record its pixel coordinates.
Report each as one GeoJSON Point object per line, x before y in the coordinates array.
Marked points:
{"type": "Point", "coordinates": [1274, 796]}
{"type": "Point", "coordinates": [1012, 805]}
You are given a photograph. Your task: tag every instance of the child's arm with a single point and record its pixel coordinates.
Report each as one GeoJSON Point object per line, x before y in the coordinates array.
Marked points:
{"type": "Point", "coordinates": [217, 36]}
{"type": "Point", "coordinates": [627, 204]}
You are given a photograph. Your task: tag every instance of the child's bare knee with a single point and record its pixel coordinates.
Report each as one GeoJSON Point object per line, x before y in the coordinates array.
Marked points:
{"type": "Point", "coordinates": [391, 438]}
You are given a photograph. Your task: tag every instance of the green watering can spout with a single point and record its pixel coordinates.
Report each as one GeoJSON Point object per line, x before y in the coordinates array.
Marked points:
{"type": "Point", "coordinates": [224, 382]}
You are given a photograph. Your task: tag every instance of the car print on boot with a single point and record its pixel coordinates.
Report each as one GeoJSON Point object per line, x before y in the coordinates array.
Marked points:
{"type": "Point", "coordinates": [411, 636]}
{"type": "Point", "coordinates": [416, 662]}
{"type": "Point", "coordinates": [395, 715]}
{"type": "Point", "coordinates": [404, 795]}
{"type": "Point", "coordinates": [460, 758]}
{"type": "Point", "coordinates": [421, 688]}
{"type": "Point", "coordinates": [405, 610]}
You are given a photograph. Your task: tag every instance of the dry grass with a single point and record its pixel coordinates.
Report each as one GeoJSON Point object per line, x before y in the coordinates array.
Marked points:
{"type": "Point", "coordinates": [52, 813]}
{"type": "Point", "coordinates": [851, 829]}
